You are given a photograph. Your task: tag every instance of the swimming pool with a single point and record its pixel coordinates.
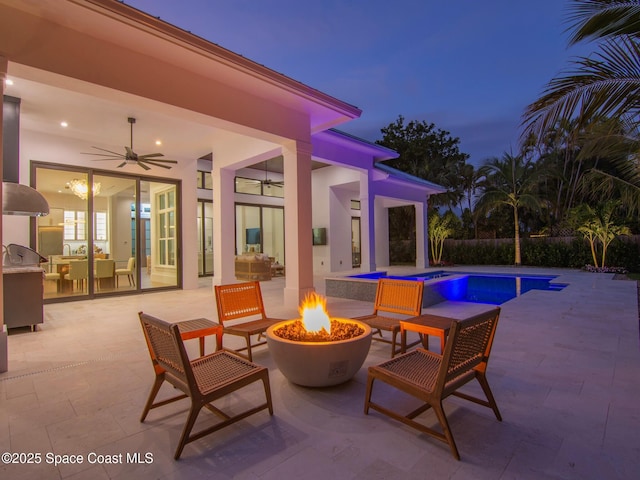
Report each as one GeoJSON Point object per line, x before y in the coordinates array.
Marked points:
{"type": "Point", "coordinates": [494, 289]}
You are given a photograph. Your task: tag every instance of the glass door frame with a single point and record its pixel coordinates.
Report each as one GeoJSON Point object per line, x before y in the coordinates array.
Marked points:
{"type": "Point", "coordinates": [261, 207]}
{"type": "Point", "coordinates": [91, 172]}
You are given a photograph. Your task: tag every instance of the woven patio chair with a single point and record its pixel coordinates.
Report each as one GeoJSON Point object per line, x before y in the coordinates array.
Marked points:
{"type": "Point", "coordinates": [403, 297]}
{"type": "Point", "coordinates": [203, 380]}
{"type": "Point", "coordinates": [243, 301]}
{"type": "Point", "coordinates": [432, 378]}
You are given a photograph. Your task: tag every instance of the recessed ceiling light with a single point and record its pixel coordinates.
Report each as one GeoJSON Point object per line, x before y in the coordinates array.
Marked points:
{"type": "Point", "coordinates": [158, 142]}
{"type": "Point", "coordinates": [8, 81]}
{"type": "Point", "coordinates": [64, 124]}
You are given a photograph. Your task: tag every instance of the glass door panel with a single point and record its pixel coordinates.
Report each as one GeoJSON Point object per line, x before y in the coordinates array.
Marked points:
{"type": "Point", "coordinates": [160, 208]}
{"type": "Point", "coordinates": [205, 238]}
{"type": "Point", "coordinates": [273, 238]}
{"type": "Point", "coordinates": [114, 241]}
{"type": "Point", "coordinates": [208, 238]}
{"type": "Point", "coordinates": [248, 232]}
{"type": "Point", "coordinates": [62, 236]}
{"type": "Point", "coordinates": [355, 242]}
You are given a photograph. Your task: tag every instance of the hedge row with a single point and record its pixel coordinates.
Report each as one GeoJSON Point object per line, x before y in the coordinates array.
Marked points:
{"type": "Point", "coordinates": [541, 253]}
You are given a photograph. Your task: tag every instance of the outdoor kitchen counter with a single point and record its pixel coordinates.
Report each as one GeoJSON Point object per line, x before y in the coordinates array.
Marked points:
{"type": "Point", "coordinates": [23, 291]}
{"type": "Point", "coordinates": [8, 270]}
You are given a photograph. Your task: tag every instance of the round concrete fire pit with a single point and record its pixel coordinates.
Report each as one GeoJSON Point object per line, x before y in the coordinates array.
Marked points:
{"type": "Point", "coordinates": [319, 364]}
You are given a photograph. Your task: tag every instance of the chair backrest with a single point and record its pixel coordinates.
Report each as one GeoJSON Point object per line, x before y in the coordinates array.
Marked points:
{"type": "Point", "coordinates": [399, 296]}
{"type": "Point", "coordinates": [78, 269]}
{"type": "Point", "coordinates": [104, 268]}
{"type": "Point", "coordinates": [131, 264]}
{"type": "Point", "coordinates": [239, 300]}
{"type": "Point", "coordinates": [468, 345]}
{"type": "Point", "coordinates": [166, 348]}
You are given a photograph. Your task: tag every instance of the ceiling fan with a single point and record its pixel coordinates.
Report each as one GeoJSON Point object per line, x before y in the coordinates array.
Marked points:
{"type": "Point", "coordinates": [131, 157]}
{"type": "Point", "coordinates": [267, 181]}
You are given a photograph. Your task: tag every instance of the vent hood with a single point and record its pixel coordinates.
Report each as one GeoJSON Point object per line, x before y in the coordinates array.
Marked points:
{"type": "Point", "coordinates": [22, 200]}
{"type": "Point", "coordinates": [17, 199]}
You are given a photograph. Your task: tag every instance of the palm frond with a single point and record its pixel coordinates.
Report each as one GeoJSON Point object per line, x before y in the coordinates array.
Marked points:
{"type": "Point", "coordinates": [608, 85]}
{"type": "Point", "coordinates": [594, 19]}
{"type": "Point", "coordinates": [603, 185]}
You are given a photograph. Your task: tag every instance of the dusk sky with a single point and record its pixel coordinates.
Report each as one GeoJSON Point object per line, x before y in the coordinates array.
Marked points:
{"type": "Point", "coordinates": [469, 66]}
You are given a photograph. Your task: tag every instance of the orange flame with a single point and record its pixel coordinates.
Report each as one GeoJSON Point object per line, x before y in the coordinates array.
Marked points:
{"type": "Point", "coordinates": [314, 313]}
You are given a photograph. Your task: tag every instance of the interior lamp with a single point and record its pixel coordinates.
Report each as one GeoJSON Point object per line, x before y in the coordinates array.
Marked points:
{"type": "Point", "coordinates": [80, 188]}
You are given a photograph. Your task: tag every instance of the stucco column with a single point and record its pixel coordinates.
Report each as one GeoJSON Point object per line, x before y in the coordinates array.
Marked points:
{"type": "Point", "coordinates": [223, 225]}
{"type": "Point", "coordinates": [297, 222]}
{"type": "Point", "coordinates": [4, 353]}
{"type": "Point", "coordinates": [367, 225]}
{"type": "Point", "coordinates": [422, 237]}
{"type": "Point", "coordinates": [381, 219]}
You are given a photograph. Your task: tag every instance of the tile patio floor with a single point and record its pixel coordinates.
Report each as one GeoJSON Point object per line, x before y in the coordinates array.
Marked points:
{"type": "Point", "coordinates": [565, 371]}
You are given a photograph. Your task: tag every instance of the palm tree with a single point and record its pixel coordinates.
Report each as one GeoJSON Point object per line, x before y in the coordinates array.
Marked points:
{"type": "Point", "coordinates": [598, 225]}
{"type": "Point", "coordinates": [510, 181]}
{"type": "Point", "coordinates": [440, 227]}
{"type": "Point", "coordinates": [609, 84]}
{"type": "Point", "coordinates": [605, 85]}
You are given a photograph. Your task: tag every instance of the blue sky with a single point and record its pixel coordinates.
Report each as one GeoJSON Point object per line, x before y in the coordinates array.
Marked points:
{"type": "Point", "coordinates": [468, 66]}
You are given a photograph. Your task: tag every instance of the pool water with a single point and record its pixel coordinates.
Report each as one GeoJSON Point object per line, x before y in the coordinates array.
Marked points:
{"type": "Point", "coordinates": [495, 289]}
{"type": "Point", "coordinates": [477, 288]}
{"type": "Point", "coordinates": [419, 276]}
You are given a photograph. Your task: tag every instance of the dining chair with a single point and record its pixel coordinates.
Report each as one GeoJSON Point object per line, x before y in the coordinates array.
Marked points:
{"type": "Point", "coordinates": [78, 271]}
{"type": "Point", "coordinates": [104, 268]}
{"type": "Point", "coordinates": [130, 272]}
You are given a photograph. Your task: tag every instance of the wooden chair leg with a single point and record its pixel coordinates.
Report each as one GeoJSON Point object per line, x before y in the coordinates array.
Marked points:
{"type": "Point", "coordinates": [191, 420]}
{"type": "Point", "coordinates": [267, 391]}
{"type": "Point", "coordinates": [367, 397]}
{"type": "Point", "coordinates": [249, 354]}
{"type": "Point", "coordinates": [489, 394]}
{"type": "Point", "coordinates": [394, 334]}
{"type": "Point", "coordinates": [439, 411]}
{"type": "Point", "coordinates": [152, 395]}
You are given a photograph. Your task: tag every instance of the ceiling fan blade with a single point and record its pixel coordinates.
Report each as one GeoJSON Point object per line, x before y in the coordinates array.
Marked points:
{"type": "Point", "coordinates": [122, 164]}
{"type": "Point", "coordinates": [151, 162]}
{"type": "Point", "coordinates": [108, 158]}
{"type": "Point", "coordinates": [104, 150]}
{"type": "Point", "coordinates": [144, 166]}
{"type": "Point", "coordinates": [159, 160]}
{"type": "Point", "coordinates": [119, 155]}
{"type": "Point", "coordinates": [151, 155]}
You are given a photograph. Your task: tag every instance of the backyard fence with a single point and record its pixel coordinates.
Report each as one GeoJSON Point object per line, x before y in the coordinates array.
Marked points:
{"type": "Point", "coordinates": [568, 252]}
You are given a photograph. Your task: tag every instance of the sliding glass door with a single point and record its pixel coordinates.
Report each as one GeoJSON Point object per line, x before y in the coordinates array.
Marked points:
{"type": "Point", "coordinates": [260, 229]}
{"type": "Point", "coordinates": [106, 233]}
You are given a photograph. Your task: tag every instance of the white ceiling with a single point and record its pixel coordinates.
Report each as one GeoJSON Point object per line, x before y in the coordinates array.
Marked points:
{"type": "Point", "coordinates": [101, 122]}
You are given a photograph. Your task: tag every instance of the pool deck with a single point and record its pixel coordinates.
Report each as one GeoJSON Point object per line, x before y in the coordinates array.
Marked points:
{"type": "Point", "coordinates": [565, 371]}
